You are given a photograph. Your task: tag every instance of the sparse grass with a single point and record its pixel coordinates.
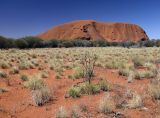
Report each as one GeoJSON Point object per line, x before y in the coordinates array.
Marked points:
{"type": "Point", "coordinates": [154, 89]}
{"type": "Point", "coordinates": [84, 88]}
{"type": "Point", "coordinates": [41, 96]}
{"type": "Point", "coordinates": [4, 65]}
{"type": "Point", "coordinates": [138, 61]}
{"type": "Point", "coordinates": [144, 74]}
{"type": "Point", "coordinates": [34, 83]}
{"type": "Point", "coordinates": [89, 89]}
{"type": "Point", "coordinates": [83, 107]}
{"type": "Point", "coordinates": [136, 101]}
{"type": "Point", "coordinates": [15, 70]}
{"type": "Point", "coordinates": [75, 112]}
{"type": "Point", "coordinates": [3, 89]}
{"type": "Point", "coordinates": [74, 92]}
{"type": "Point", "coordinates": [58, 76]}
{"type": "Point", "coordinates": [61, 113]}
{"type": "Point", "coordinates": [106, 104]}
{"type": "Point", "coordinates": [44, 74]}
{"type": "Point", "coordinates": [24, 78]}
{"type": "Point", "coordinates": [79, 73]}
{"type": "Point", "coordinates": [104, 85]}
{"type": "Point", "coordinates": [3, 74]}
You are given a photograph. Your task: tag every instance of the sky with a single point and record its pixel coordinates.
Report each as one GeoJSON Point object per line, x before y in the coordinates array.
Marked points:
{"type": "Point", "coordinates": [19, 18]}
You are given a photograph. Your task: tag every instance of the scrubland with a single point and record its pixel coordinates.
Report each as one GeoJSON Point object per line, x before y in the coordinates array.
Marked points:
{"type": "Point", "coordinates": [80, 83]}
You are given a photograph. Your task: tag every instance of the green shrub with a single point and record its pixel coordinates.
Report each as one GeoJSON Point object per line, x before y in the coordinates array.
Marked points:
{"type": "Point", "coordinates": [24, 78]}
{"type": "Point", "coordinates": [20, 43]}
{"type": "Point", "coordinates": [3, 74]}
{"type": "Point", "coordinates": [104, 85]}
{"type": "Point", "coordinates": [78, 73]}
{"type": "Point", "coordinates": [74, 92]}
{"type": "Point", "coordinates": [89, 89]}
{"type": "Point", "coordinates": [34, 83]}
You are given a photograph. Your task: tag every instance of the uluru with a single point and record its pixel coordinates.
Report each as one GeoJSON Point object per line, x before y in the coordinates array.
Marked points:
{"type": "Point", "coordinates": [93, 30]}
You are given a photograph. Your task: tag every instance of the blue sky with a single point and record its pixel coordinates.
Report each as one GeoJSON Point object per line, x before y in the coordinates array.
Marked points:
{"type": "Point", "coordinates": [20, 18]}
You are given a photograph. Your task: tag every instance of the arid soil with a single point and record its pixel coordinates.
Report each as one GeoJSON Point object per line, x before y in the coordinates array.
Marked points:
{"type": "Point", "coordinates": [92, 30]}
{"type": "Point", "coordinates": [17, 101]}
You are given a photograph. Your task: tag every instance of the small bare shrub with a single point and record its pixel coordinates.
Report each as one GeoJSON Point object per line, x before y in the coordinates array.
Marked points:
{"type": "Point", "coordinates": [41, 96]}
{"type": "Point", "coordinates": [75, 112]}
{"type": "Point", "coordinates": [3, 74]}
{"type": "Point", "coordinates": [154, 89]}
{"type": "Point", "coordinates": [61, 113]}
{"type": "Point", "coordinates": [135, 102]}
{"type": "Point", "coordinates": [106, 104]}
{"type": "Point", "coordinates": [88, 62]}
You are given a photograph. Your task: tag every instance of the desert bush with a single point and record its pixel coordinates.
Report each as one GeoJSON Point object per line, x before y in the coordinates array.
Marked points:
{"type": "Point", "coordinates": [33, 42]}
{"type": "Point", "coordinates": [154, 89]}
{"type": "Point", "coordinates": [83, 107]}
{"type": "Point", "coordinates": [3, 74]}
{"type": "Point", "coordinates": [131, 76]}
{"type": "Point", "coordinates": [41, 96]}
{"type": "Point", "coordinates": [75, 112]}
{"type": "Point", "coordinates": [135, 102]}
{"type": "Point", "coordinates": [70, 76]}
{"type": "Point", "coordinates": [89, 88]}
{"type": "Point", "coordinates": [82, 43]}
{"type": "Point", "coordinates": [84, 88]}
{"type": "Point", "coordinates": [3, 89]}
{"type": "Point", "coordinates": [125, 70]}
{"type": "Point", "coordinates": [24, 78]}
{"type": "Point", "coordinates": [79, 73]}
{"type": "Point", "coordinates": [144, 74]}
{"type": "Point", "coordinates": [88, 62]}
{"type": "Point", "coordinates": [58, 76]}
{"type": "Point", "coordinates": [15, 70]}
{"type": "Point", "coordinates": [61, 113]}
{"type": "Point", "coordinates": [138, 61]}
{"type": "Point", "coordinates": [4, 65]}
{"type": "Point", "coordinates": [44, 74]}
{"type": "Point", "coordinates": [6, 43]}
{"type": "Point", "coordinates": [106, 104]}
{"type": "Point", "coordinates": [23, 65]}
{"type": "Point", "coordinates": [74, 92]}
{"type": "Point", "coordinates": [34, 83]}
{"type": "Point", "coordinates": [104, 85]}
{"type": "Point", "coordinates": [20, 43]}
{"type": "Point", "coordinates": [67, 43]}
{"type": "Point", "coordinates": [100, 43]}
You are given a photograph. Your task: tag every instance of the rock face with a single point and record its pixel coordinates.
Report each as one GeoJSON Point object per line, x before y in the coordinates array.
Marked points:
{"type": "Point", "coordinates": [92, 30]}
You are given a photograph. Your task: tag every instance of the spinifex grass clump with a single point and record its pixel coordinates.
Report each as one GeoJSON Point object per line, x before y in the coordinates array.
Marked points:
{"type": "Point", "coordinates": [40, 92]}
